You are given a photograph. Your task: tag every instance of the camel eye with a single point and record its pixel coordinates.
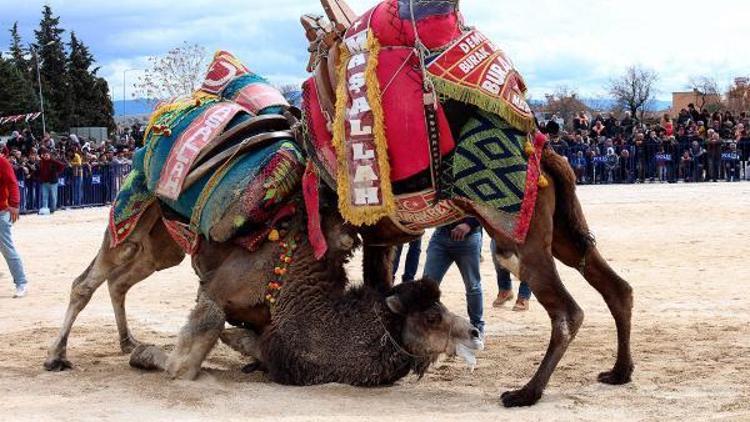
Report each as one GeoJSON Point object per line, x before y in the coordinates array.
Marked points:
{"type": "Point", "coordinates": [433, 317]}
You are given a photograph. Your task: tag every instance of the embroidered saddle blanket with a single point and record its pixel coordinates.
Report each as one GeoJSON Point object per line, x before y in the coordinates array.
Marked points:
{"type": "Point", "coordinates": [383, 132]}
{"type": "Point", "coordinates": [246, 188]}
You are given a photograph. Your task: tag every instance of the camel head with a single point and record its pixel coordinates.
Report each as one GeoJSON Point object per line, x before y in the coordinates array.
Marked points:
{"type": "Point", "coordinates": [430, 329]}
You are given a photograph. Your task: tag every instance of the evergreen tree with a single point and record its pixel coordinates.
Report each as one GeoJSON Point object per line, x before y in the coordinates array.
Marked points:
{"type": "Point", "coordinates": [16, 94]}
{"type": "Point", "coordinates": [90, 102]}
{"type": "Point", "coordinates": [18, 55]}
{"type": "Point", "coordinates": [81, 83]}
{"type": "Point", "coordinates": [105, 110]}
{"type": "Point", "coordinates": [51, 56]}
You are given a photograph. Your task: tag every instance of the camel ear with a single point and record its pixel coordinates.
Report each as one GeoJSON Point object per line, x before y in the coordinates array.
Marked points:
{"type": "Point", "coordinates": [395, 305]}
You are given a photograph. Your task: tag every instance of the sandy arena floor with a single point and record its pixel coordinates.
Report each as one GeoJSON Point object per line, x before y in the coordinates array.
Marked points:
{"type": "Point", "coordinates": [684, 248]}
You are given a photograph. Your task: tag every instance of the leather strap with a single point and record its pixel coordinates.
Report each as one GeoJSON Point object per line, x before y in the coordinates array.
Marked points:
{"type": "Point", "coordinates": [268, 122]}
{"type": "Point", "coordinates": [248, 144]}
{"type": "Point", "coordinates": [433, 138]}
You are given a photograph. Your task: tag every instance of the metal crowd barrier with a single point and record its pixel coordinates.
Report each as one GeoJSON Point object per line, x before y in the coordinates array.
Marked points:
{"type": "Point", "coordinates": [96, 186]}
{"type": "Point", "coordinates": [649, 164]}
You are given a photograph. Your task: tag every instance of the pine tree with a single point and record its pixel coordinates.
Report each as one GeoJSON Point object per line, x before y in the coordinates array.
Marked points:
{"type": "Point", "coordinates": [16, 94]}
{"type": "Point", "coordinates": [51, 55]}
{"type": "Point", "coordinates": [81, 83]}
{"type": "Point", "coordinates": [105, 110]}
{"type": "Point", "coordinates": [17, 52]}
{"type": "Point", "coordinates": [90, 102]}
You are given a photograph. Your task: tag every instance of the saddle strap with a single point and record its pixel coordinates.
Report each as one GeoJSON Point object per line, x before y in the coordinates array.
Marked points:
{"type": "Point", "coordinates": [248, 144]}
{"type": "Point", "coordinates": [433, 135]}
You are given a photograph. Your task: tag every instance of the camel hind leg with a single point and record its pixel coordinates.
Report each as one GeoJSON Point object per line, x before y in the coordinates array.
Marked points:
{"type": "Point", "coordinates": [124, 266]}
{"type": "Point", "coordinates": [573, 245]}
{"type": "Point", "coordinates": [537, 267]}
{"type": "Point", "coordinates": [616, 292]}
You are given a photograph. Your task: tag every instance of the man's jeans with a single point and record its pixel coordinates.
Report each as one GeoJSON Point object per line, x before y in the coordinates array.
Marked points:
{"type": "Point", "coordinates": [77, 190]}
{"type": "Point", "coordinates": [8, 250]}
{"type": "Point", "coordinates": [504, 283]}
{"type": "Point", "coordinates": [49, 196]}
{"type": "Point", "coordinates": [412, 260]}
{"type": "Point", "coordinates": [442, 252]}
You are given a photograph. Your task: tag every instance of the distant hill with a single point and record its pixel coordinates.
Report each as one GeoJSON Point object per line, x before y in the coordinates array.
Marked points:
{"type": "Point", "coordinates": [136, 107]}
{"type": "Point", "coordinates": [604, 104]}
{"type": "Point", "coordinates": [140, 107]}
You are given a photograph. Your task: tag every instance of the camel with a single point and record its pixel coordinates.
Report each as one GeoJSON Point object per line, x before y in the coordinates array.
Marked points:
{"type": "Point", "coordinates": [365, 338]}
{"type": "Point", "coordinates": [558, 229]}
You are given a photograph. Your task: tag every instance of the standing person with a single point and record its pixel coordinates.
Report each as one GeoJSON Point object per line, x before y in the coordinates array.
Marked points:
{"type": "Point", "coordinates": [713, 153]}
{"type": "Point", "coordinates": [412, 260]}
{"type": "Point", "coordinates": [505, 287]}
{"type": "Point", "coordinates": [10, 200]}
{"type": "Point", "coordinates": [460, 243]}
{"type": "Point", "coordinates": [49, 175]}
{"type": "Point", "coordinates": [76, 162]}
{"type": "Point", "coordinates": [667, 124]}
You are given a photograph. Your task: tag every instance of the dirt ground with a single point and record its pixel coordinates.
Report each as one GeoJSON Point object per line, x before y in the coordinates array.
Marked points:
{"type": "Point", "coordinates": [684, 248]}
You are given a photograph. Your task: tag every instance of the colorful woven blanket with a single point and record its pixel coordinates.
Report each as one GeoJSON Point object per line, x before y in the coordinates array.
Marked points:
{"type": "Point", "coordinates": [491, 167]}
{"type": "Point", "coordinates": [129, 205]}
{"type": "Point", "coordinates": [249, 189]}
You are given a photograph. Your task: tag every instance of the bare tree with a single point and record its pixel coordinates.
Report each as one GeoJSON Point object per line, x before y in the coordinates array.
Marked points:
{"type": "Point", "coordinates": [704, 88]}
{"type": "Point", "coordinates": [635, 89]}
{"type": "Point", "coordinates": [565, 103]}
{"type": "Point", "coordinates": [288, 90]}
{"type": "Point", "coordinates": [178, 73]}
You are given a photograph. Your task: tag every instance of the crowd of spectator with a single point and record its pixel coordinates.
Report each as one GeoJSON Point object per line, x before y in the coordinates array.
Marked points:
{"type": "Point", "coordinates": [51, 165]}
{"type": "Point", "coordinates": [694, 146]}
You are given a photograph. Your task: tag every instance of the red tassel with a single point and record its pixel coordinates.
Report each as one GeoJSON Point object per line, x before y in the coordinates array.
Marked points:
{"type": "Point", "coordinates": [310, 189]}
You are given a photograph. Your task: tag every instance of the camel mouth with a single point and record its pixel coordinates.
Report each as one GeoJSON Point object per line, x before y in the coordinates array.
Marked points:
{"type": "Point", "coordinates": [467, 352]}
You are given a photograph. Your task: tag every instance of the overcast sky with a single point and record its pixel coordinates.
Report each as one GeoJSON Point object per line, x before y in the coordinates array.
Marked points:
{"type": "Point", "coordinates": [575, 43]}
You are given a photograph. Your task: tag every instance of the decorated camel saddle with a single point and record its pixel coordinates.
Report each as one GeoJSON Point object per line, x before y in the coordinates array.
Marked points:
{"type": "Point", "coordinates": [222, 160]}
{"type": "Point", "coordinates": [376, 118]}
{"type": "Point", "coordinates": [228, 162]}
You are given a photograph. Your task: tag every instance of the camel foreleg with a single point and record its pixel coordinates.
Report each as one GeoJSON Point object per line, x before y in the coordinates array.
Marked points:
{"type": "Point", "coordinates": [196, 339]}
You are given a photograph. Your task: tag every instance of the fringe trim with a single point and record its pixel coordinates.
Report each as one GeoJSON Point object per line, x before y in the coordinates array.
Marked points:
{"type": "Point", "coordinates": [533, 177]}
{"type": "Point", "coordinates": [485, 102]}
{"type": "Point", "coordinates": [362, 215]}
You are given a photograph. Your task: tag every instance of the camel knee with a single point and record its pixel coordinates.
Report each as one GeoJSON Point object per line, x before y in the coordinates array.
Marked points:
{"type": "Point", "coordinates": [197, 338]}
{"type": "Point", "coordinates": [575, 319]}
{"type": "Point", "coordinates": [566, 324]}
{"type": "Point", "coordinates": [149, 358]}
{"type": "Point", "coordinates": [81, 293]}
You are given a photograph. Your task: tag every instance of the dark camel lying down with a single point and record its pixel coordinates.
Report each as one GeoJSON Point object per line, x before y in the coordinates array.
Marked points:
{"type": "Point", "coordinates": [319, 334]}
{"type": "Point", "coordinates": [357, 337]}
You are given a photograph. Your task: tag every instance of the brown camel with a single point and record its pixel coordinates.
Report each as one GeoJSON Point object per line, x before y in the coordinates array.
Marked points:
{"type": "Point", "coordinates": [558, 230]}
{"type": "Point", "coordinates": [322, 333]}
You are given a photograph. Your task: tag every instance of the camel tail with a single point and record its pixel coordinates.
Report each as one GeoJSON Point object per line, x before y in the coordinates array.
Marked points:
{"type": "Point", "coordinates": [568, 216]}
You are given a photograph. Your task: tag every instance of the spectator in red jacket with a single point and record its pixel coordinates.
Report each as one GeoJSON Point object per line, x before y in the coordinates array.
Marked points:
{"type": "Point", "coordinates": [49, 175]}
{"type": "Point", "coordinates": [9, 203]}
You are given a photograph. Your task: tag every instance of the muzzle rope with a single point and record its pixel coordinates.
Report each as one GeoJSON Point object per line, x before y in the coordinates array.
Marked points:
{"type": "Point", "coordinates": [387, 336]}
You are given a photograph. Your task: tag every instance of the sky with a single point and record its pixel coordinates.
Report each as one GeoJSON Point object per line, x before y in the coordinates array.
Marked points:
{"type": "Point", "coordinates": [579, 44]}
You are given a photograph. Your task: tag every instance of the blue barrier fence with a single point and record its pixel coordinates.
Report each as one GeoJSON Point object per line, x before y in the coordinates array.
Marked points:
{"type": "Point", "coordinates": [652, 162]}
{"type": "Point", "coordinates": [96, 186]}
